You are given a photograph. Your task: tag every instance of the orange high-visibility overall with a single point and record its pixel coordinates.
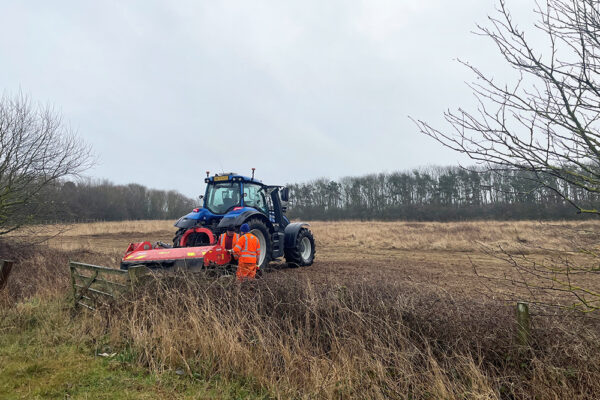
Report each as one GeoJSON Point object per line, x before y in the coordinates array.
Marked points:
{"type": "Point", "coordinates": [247, 251]}
{"type": "Point", "coordinates": [223, 240]}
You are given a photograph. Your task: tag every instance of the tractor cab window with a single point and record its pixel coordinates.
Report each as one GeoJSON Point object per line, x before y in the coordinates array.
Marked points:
{"type": "Point", "coordinates": [222, 197]}
{"type": "Point", "coordinates": [255, 196]}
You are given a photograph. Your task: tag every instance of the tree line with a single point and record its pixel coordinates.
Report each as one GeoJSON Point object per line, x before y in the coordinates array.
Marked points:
{"type": "Point", "coordinates": [87, 200]}
{"type": "Point", "coordinates": [438, 194]}
{"type": "Point", "coordinates": [425, 194]}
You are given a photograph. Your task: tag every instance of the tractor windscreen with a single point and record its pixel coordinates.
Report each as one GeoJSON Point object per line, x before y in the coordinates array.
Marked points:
{"type": "Point", "coordinates": [221, 197]}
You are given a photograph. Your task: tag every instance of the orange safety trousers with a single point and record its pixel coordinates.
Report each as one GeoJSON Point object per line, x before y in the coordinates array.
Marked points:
{"type": "Point", "coordinates": [246, 271]}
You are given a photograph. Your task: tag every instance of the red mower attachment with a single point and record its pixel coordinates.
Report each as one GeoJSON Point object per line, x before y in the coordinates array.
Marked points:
{"type": "Point", "coordinates": [217, 256]}
{"type": "Point", "coordinates": [159, 256]}
{"type": "Point", "coordinates": [164, 257]}
{"type": "Point", "coordinates": [138, 247]}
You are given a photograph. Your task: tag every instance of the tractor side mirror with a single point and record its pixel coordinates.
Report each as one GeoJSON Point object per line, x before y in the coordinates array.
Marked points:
{"type": "Point", "coordinates": [285, 194]}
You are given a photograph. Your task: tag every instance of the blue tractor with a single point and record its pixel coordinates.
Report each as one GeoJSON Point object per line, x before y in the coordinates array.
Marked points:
{"type": "Point", "coordinates": [231, 200]}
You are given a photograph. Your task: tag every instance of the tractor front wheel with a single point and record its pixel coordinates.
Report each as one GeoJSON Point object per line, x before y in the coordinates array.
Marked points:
{"type": "Point", "coordinates": [303, 253]}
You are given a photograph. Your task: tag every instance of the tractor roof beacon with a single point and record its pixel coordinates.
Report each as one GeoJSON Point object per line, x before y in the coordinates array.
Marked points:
{"type": "Point", "coordinates": [231, 200]}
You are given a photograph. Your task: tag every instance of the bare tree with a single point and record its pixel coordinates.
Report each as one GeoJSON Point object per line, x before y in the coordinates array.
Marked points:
{"type": "Point", "coordinates": [546, 122]}
{"type": "Point", "coordinates": [36, 150]}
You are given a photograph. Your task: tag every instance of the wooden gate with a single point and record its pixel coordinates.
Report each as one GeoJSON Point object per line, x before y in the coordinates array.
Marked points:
{"type": "Point", "coordinates": [94, 285]}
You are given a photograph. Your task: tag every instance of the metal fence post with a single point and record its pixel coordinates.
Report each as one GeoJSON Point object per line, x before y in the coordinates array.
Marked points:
{"type": "Point", "coordinates": [5, 268]}
{"type": "Point", "coordinates": [523, 323]}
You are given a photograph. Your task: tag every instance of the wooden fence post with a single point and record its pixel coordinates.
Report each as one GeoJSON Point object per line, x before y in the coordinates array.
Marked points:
{"type": "Point", "coordinates": [135, 273]}
{"type": "Point", "coordinates": [523, 323]}
{"type": "Point", "coordinates": [5, 268]}
{"type": "Point", "coordinates": [73, 271]}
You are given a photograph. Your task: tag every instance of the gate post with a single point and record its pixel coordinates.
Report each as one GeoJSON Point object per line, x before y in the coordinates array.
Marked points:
{"type": "Point", "coordinates": [5, 268]}
{"type": "Point", "coordinates": [135, 273]}
{"type": "Point", "coordinates": [523, 323]}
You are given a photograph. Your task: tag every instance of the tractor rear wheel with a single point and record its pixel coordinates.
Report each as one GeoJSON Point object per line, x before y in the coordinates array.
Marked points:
{"type": "Point", "coordinates": [303, 254]}
{"type": "Point", "coordinates": [178, 236]}
{"type": "Point", "coordinates": [259, 229]}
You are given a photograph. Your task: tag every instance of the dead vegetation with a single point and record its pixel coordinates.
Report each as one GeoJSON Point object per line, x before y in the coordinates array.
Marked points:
{"type": "Point", "coordinates": [374, 235]}
{"type": "Point", "coordinates": [412, 327]}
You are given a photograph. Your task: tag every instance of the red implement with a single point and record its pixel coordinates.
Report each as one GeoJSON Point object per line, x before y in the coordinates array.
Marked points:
{"type": "Point", "coordinates": [143, 254]}
{"type": "Point", "coordinates": [138, 247]}
{"type": "Point", "coordinates": [217, 256]}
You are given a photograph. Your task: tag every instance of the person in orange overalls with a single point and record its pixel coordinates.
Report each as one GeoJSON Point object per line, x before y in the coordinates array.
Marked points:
{"type": "Point", "coordinates": [228, 239]}
{"type": "Point", "coordinates": [247, 252]}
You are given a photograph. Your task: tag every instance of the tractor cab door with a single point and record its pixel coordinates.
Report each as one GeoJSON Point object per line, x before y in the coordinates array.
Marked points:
{"type": "Point", "coordinates": [255, 196]}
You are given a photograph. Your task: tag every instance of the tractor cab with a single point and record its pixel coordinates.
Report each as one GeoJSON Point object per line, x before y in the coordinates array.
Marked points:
{"type": "Point", "coordinates": [227, 192]}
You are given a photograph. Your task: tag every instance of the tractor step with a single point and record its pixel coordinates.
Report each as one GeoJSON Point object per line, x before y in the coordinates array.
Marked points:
{"type": "Point", "coordinates": [277, 241]}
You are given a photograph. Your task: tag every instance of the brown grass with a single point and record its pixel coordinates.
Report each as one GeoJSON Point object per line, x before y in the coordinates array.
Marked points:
{"type": "Point", "coordinates": [354, 340]}
{"type": "Point", "coordinates": [453, 236]}
{"type": "Point", "coordinates": [402, 321]}
{"type": "Point", "coordinates": [373, 235]}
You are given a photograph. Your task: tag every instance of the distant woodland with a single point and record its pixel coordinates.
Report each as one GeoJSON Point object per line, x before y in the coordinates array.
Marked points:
{"type": "Point", "coordinates": [101, 200]}
{"type": "Point", "coordinates": [437, 194]}
{"type": "Point", "coordinates": [426, 194]}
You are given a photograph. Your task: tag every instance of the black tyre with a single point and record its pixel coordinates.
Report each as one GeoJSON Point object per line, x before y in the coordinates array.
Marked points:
{"type": "Point", "coordinates": [303, 254]}
{"type": "Point", "coordinates": [259, 229]}
{"type": "Point", "coordinates": [178, 236]}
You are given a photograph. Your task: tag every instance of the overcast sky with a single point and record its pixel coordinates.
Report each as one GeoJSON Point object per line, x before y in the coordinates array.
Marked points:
{"type": "Point", "coordinates": [302, 89]}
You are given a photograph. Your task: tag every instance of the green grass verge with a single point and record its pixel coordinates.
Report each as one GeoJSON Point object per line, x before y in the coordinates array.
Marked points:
{"type": "Point", "coordinates": [41, 357]}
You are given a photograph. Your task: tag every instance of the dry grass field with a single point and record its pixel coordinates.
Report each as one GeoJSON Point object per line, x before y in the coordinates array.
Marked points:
{"type": "Point", "coordinates": [437, 255]}
{"type": "Point", "coordinates": [388, 310]}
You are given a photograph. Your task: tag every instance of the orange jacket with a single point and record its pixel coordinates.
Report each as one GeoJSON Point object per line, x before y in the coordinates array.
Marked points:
{"type": "Point", "coordinates": [247, 249]}
{"type": "Point", "coordinates": [223, 238]}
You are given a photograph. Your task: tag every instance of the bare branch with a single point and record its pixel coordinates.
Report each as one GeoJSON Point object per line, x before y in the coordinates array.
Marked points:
{"type": "Point", "coordinates": [36, 150]}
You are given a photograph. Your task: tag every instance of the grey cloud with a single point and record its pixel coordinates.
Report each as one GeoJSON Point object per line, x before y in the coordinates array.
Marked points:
{"type": "Point", "coordinates": [298, 89]}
